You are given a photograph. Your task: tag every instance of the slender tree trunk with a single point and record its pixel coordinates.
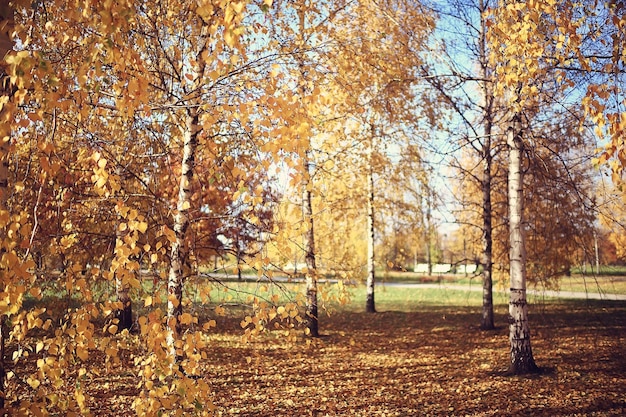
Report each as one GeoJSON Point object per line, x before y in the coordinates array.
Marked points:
{"type": "Point", "coordinates": [596, 251]}
{"type": "Point", "coordinates": [238, 256]}
{"type": "Point", "coordinates": [312, 322]}
{"type": "Point", "coordinates": [178, 252]}
{"type": "Point", "coordinates": [487, 319]}
{"type": "Point", "coordinates": [522, 361]}
{"type": "Point", "coordinates": [370, 305]}
{"type": "Point", "coordinates": [125, 314]}
{"type": "Point", "coordinates": [429, 234]}
{"type": "Point", "coordinates": [122, 289]}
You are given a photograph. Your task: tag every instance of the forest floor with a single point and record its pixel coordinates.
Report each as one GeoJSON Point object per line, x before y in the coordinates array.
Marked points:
{"type": "Point", "coordinates": [418, 360]}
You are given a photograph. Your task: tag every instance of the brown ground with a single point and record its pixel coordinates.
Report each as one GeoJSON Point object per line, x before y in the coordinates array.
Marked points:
{"type": "Point", "coordinates": [430, 362]}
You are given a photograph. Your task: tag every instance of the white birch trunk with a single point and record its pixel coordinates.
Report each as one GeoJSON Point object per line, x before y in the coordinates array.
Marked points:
{"type": "Point", "coordinates": [370, 305]}
{"type": "Point", "coordinates": [178, 252]}
{"type": "Point", "coordinates": [312, 319]}
{"type": "Point", "coordinates": [522, 360]}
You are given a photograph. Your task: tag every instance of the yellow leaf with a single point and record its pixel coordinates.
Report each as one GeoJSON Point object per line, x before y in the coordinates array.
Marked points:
{"type": "Point", "coordinates": [112, 329]}
{"type": "Point", "coordinates": [142, 227]}
{"type": "Point", "coordinates": [148, 301]}
{"type": "Point", "coordinates": [172, 299]}
{"type": "Point", "coordinates": [82, 353]}
{"type": "Point", "coordinates": [36, 292]}
{"type": "Point", "coordinates": [169, 234]}
{"type": "Point", "coordinates": [209, 324]}
{"type": "Point", "coordinates": [80, 398]}
{"type": "Point", "coordinates": [39, 347]}
{"type": "Point", "coordinates": [185, 318]}
{"type": "Point", "coordinates": [34, 383]}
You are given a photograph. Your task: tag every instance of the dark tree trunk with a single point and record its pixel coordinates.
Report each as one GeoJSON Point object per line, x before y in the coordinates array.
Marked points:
{"type": "Point", "coordinates": [487, 320]}
{"type": "Point", "coordinates": [125, 315]}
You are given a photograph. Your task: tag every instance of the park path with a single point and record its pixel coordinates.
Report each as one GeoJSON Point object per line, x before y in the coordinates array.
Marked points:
{"type": "Point", "coordinates": [460, 287]}
{"type": "Point", "coordinates": [538, 293]}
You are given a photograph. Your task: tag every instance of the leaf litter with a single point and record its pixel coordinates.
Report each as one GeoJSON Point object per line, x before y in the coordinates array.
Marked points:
{"type": "Point", "coordinates": [428, 362]}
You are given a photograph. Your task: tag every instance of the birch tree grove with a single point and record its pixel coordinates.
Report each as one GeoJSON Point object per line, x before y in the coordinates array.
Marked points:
{"type": "Point", "coordinates": [150, 150]}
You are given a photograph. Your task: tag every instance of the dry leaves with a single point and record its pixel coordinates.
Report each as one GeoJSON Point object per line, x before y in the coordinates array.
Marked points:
{"type": "Point", "coordinates": [429, 362]}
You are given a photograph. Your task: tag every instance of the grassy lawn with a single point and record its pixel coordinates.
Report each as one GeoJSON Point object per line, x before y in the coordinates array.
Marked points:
{"type": "Point", "coordinates": [610, 284]}
{"type": "Point", "coordinates": [422, 354]}
{"type": "Point", "coordinates": [603, 283]}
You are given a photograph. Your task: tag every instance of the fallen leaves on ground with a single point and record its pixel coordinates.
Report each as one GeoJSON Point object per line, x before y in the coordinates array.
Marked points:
{"type": "Point", "coordinates": [429, 362]}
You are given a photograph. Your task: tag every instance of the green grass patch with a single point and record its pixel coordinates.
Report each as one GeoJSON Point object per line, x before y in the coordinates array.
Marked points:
{"type": "Point", "coordinates": [590, 270]}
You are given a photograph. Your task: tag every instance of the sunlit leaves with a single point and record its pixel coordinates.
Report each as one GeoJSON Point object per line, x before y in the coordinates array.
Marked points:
{"type": "Point", "coordinates": [586, 39]}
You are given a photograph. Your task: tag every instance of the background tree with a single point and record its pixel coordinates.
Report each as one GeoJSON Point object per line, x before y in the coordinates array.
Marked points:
{"type": "Point", "coordinates": [389, 39]}
{"type": "Point", "coordinates": [462, 78]}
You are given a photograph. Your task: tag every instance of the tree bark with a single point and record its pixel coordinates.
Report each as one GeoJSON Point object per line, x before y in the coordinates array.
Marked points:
{"type": "Point", "coordinates": [522, 361]}
{"type": "Point", "coordinates": [370, 305]}
{"type": "Point", "coordinates": [312, 319]}
{"type": "Point", "coordinates": [487, 319]}
{"type": "Point", "coordinates": [122, 289]}
{"type": "Point", "coordinates": [178, 252]}
{"type": "Point", "coordinates": [125, 314]}
{"type": "Point", "coordinates": [429, 232]}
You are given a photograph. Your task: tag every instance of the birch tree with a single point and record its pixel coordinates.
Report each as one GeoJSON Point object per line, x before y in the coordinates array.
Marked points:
{"type": "Point", "coordinates": [466, 89]}
{"type": "Point", "coordinates": [390, 38]}
{"type": "Point", "coordinates": [522, 360]}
